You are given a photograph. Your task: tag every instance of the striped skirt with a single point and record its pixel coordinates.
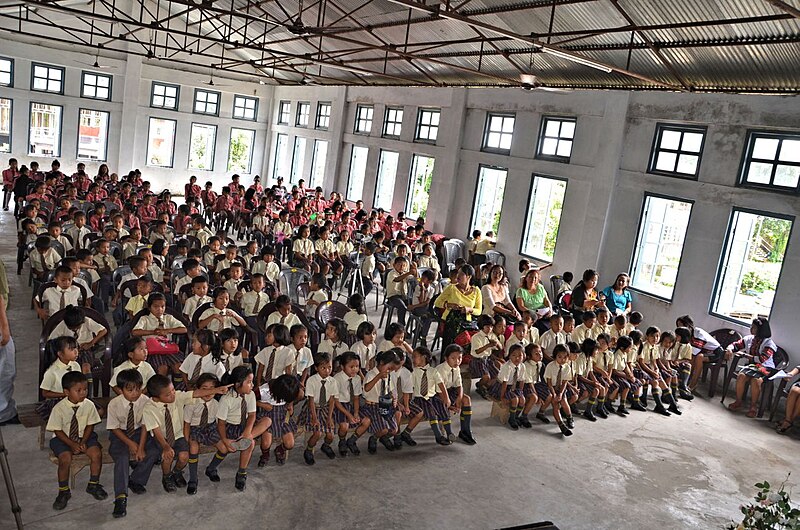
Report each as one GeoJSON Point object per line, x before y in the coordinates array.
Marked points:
{"type": "Point", "coordinates": [624, 382]}
{"type": "Point", "coordinates": [641, 375]}
{"type": "Point", "coordinates": [208, 435]}
{"type": "Point", "coordinates": [539, 388]}
{"type": "Point", "coordinates": [378, 422]}
{"type": "Point", "coordinates": [452, 393]}
{"type": "Point", "coordinates": [511, 392]}
{"type": "Point", "coordinates": [339, 417]}
{"type": "Point", "coordinates": [233, 431]}
{"type": "Point", "coordinates": [322, 418]}
{"type": "Point", "coordinates": [282, 423]}
{"type": "Point", "coordinates": [431, 409]}
{"type": "Point", "coordinates": [165, 360]}
{"type": "Point", "coordinates": [479, 367]}
{"type": "Point", "coordinates": [665, 374]}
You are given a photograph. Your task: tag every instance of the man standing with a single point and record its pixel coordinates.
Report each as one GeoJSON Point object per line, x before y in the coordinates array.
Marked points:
{"type": "Point", "coordinates": [8, 365]}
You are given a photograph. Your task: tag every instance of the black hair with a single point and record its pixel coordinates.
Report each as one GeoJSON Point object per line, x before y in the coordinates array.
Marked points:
{"type": "Point", "coordinates": [554, 317]}
{"type": "Point", "coordinates": [429, 274]}
{"type": "Point", "coordinates": [452, 349]}
{"type": "Point", "coordinates": [295, 329]}
{"type": "Point", "coordinates": [356, 301]}
{"type": "Point", "coordinates": [157, 384]}
{"type": "Point", "coordinates": [476, 233]}
{"type": "Point", "coordinates": [424, 352]}
{"type": "Point", "coordinates": [573, 347]}
{"type": "Point", "coordinates": [467, 270]}
{"type": "Point", "coordinates": [319, 279]}
{"type": "Point", "coordinates": [58, 344]}
{"type": "Point", "coordinates": [206, 337]}
{"type": "Point", "coordinates": [130, 378]}
{"type": "Point", "coordinates": [667, 335]}
{"type": "Point", "coordinates": [684, 334]}
{"type": "Point", "coordinates": [205, 378]}
{"type": "Point", "coordinates": [568, 318]}
{"type": "Point", "coordinates": [281, 334]}
{"type": "Point", "coordinates": [392, 329]}
{"type": "Point", "coordinates": [386, 357]}
{"type": "Point", "coordinates": [636, 318]}
{"type": "Point", "coordinates": [282, 301]}
{"type": "Point", "coordinates": [189, 264]}
{"type": "Point", "coordinates": [340, 326]}
{"type": "Point", "coordinates": [588, 346]}
{"type": "Point", "coordinates": [364, 329]}
{"type": "Point", "coordinates": [620, 319]}
{"type": "Point", "coordinates": [63, 269]}
{"type": "Point", "coordinates": [517, 346]}
{"type": "Point", "coordinates": [42, 242]}
{"type": "Point", "coordinates": [624, 342]}
{"type": "Point", "coordinates": [589, 315]}
{"type": "Point", "coordinates": [604, 336]}
{"type": "Point", "coordinates": [237, 376]}
{"type": "Point", "coordinates": [284, 388]}
{"type": "Point", "coordinates": [74, 316]}
{"type": "Point", "coordinates": [199, 279]}
{"type": "Point", "coordinates": [130, 344]}
{"type": "Point", "coordinates": [485, 320]}
{"type": "Point", "coordinates": [568, 277]}
{"type": "Point", "coordinates": [155, 297]}
{"type": "Point", "coordinates": [559, 348]}
{"type": "Point", "coordinates": [498, 318]}
{"type": "Point", "coordinates": [228, 334]}
{"type": "Point", "coordinates": [72, 378]}
{"type": "Point", "coordinates": [652, 330]}
{"type": "Point", "coordinates": [636, 336]}
{"type": "Point", "coordinates": [601, 309]}
{"type": "Point", "coordinates": [347, 357]}
{"type": "Point", "coordinates": [764, 331]}
{"type": "Point", "coordinates": [322, 358]}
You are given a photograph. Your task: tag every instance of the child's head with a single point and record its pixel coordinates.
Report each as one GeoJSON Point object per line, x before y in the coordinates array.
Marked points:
{"type": "Point", "coordinates": [350, 363]}
{"type": "Point", "coordinates": [620, 321]}
{"type": "Point", "coordinates": [130, 382]}
{"type": "Point", "coordinates": [317, 282]}
{"type": "Point", "coordinates": [394, 332]}
{"type": "Point", "coordinates": [667, 339]}
{"type": "Point", "coordinates": [760, 328]}
{"type": "Point", "coordinates": [285, 388]}
{"type": "Point", "coordinates": [323, 365]}
{"type": "Point", "coordinates": [236, 271]}
{"type": "Point", "coordinates": [569, 323]}
{"type": "Point", "coordinates": [283, 304]}
{"type": "Point", "coordinates": [64, 348]}
{"type": "Point", "coordinates": [624, 344]}
{"type": "Point", "coordinates": [356, 302]}
{"type": "Point", "coordinates": [421, 356]}
{"type": "Point", "coordinates": [520, 329]}
{"type": "Point", "coordinates": [138, 265]}
{"type": "Point", "coordinates": [533, 352]}
{"type": "Point", "coordinates": [157, 304]}
{"type": "Point", "coordinates": [476, 234]}
{"type": "Point", "coordinates": [499, 325]}
{"type": "Point", "coordinates": [268, 254]}
{"type": "Point", "coordinates": [221, 297]}
{"type": "Point", "coordinates": [589, 347]}
{"type": "Point", "coordinates": [240, 379]}
{"type": "Point", "coordinates": [144, 286]}
{"type": "Point", "coordinates": [257, 282]}
{"type": "Point", "coordinates": [602, 315]}
{"type": "Point", "coordinates": [366, 332]}
{"type": "Point", "coordinates": [684, 335]}
{"type": "Point", "coordinates": [573, 350]}
{"type": "Point", "coordinates": [207, 381]}
{"type": "Point", "coordinates": [636, 318]}
{"type": "Point", "coordinates": [400, 264]}
{"type": "Point", "coordinates": [485, 323]}
{"type": "Point", "coordinates": [335, 330]}
{"type": "Point", "coordinates": [603, 341]}
{"type": "Point", "coordinates": [191, 267]}
{"type": "Point", "coordinates": [556, 322]}
{"type": "Point", "coordinates": [560, 354]}
{"type": "Point", "coordinates": [299, 336]}
{"type": "Point", "coordinates": [636, 336]}
{"type": "Point", "coordinates": [136, 348]}
{"type": "Point", "coordinates": [281, 335]}
{"type": "Point", "coordinates": [204, 342]}
{"type": "Point", "coordinates": [75, 386]}
{"type": "Point", "coordinates": [74, 317]}
{"type": "Point", "coordinates": [229, 341]}
{"type": "Point", "coordinates": [652, 334]}
{"type": "Point", "coordinates": [387, 361]}
{"type": "Point", "coordinates": [453, 355]}
{"type": "Point", "coordinates": [589, 318]}
{"type": "Point", "coordinates": [524, 265]}
{"type": "Point", "coordinates": [199, 286]}
{"type": "Point", "coordinates": [103, 247]}
{"type": "Point", "coordinates": [63, 277]}
{"type": "Point", "coordinates": [516, 353]}
{"type": "Point", "coordinates": [160, 389]}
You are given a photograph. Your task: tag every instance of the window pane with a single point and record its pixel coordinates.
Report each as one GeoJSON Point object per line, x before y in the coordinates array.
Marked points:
{"type": "Point", "coordinates": [751, 266]}
{"type": "Point", "coordinates": [567, 129]}
{"type": "Point", "coordinates": [765, 148]}
{"type": "Point", "coordinates": [564, 148]}
{"type": "Point", "coordinates": [670, 140]}
{"type": "Point", "coordinates": [759, 173]}
{"type": "Point", "coordinates": [92, 134]}
{"type": "Point", "coordinates": [552, 128]}
{"type": "Point", "coordinates": [280, 167]}
{"type": "Point", "coordinates": [6, 71]}
{"type": "Point", "coordinates": [387, 173]}
{"type": "Point", "coordinates": [298, 159]}
{"type": "Point", "coordinates": [692, 142]}
{"type": "Point", "coordinates": [790, 151]}
{"type": "Point", "coordinates": [549, 146]}
{"type": "Point", "coordinates": [488, 200]}
{"type": "Point", "coordinates": [787, 176]}
{"type": "Point", "coordinates": [543, 217]}
{"type": "Point", "coordinates": [420, 185]}
{"type": "Point", "coordinates": [358, 170]}
{"type": "Point", "coordinates": [45, 130]}
{"type": "Point", "coordinates": [687, 164]}
{"type": "Point", "coordinates": [240, 151]}
{"type": "Point", "coordinates": [164, 96]}
{"type": "Point", "coordinates": [201, 147]}
{"type": "Point", "coordinates": [666, 161]}
{"type": "Point", "coordinates": [160, 142]}
{"type": "Point", "coordinates": [318, 163]}
{"type": "Point", "coordinates": [5, 125]}
{"type": "Point", "coordinates": [662, 232]}
{"type": "Point", "coordinates": [505, 142]}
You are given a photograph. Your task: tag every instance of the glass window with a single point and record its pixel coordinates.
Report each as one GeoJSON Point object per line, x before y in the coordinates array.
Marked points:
{"type": "Point", "coordinates": [751, 265]}
{"type": "Point", "coordinates": [5, 125]}
{"type": "Point", "coordinates": [772, 161]}
{"type": "Point", "coordinates": [499, 132]}
{"type": "Point", "coordinates": [164, 96]}
{"type": "Point", "coordinates": [280, 165]}
{"type": "Point", "coordinates": [387, 173]}
{"type": "Point", "coordinates": [659, 245]}
{"type": "Point", "coordinates": [161, 142]}
{"type": "Point", "coordinates": [298, 159]}
{"type": "Point", "coordinates": [358, 170]}
{"type": "Point", "coordinates": [393, 123]}
{"type": "Point", "coordinates": [206, 102]}
{"type": "Point", "coordinates": [364, 119]}
{"type": "Point", "coordinates": [543, 218]}
{"type": "Point", "coordinates": [323, 116]}
{"type": "Point", "coordinates": [303, 112]}
{"type": "Point", "coordinates": [555, 139]}
{"type": "Point", "coordinates": [240, 151]}
{"type": "Point", "coordinates": [419, 186]}
{"type": "Point", "coordinates": [45, 130]}
{"type": "Point", "coordinates": [427, 125]}
{"type": "Point", "coordinates": [201, 146]}
{"type": "Point", "coordinates": [245, 108]}
{"type": "Point", "coordinates": [47, 78]}
{"type": "Point", "coordinates": [96, 86]}
{"type": "Point", "coordinates": [677, 150]}
{"type": "Point", "coordinates": [318, 160]}
{"type": "Point", "coordinates": [6, 71]}
{"type": "Point", "coordinates": [284, 112]}
{"type": "Point", "coordinates": [93, 135]}
{"type": "Point", "coordinates": [488, 199]}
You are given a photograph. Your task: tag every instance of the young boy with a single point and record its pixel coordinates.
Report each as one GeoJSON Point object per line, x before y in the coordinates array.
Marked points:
{"type": "Point", "coordinates": [420, 303]}
{"type": "Point", "coordinates": [78, 230]}
{"type": "Point", "coordinates": [552, 337]}
{"type": "Point", "coordinates": [87, 332]}
{"type": "Point", "coordinates": [72, 423]}
{"type": "Point", "coordinates": [54, 231]}
{"type": "Point", "coordinates": [284, 314]}
{"type": "Point", "coordinates": [192, 269]}
{"type": "Point", "coordinates": [428, 260]}
{"type": "Point", "coordinates": [519, 335]}
{"type": "Point", "coordinates": [368, 268]}
{"type": "Point", "coordinates": [587, 330]}
{"type": "Point", "coordinates": [136, 303]}
{"type": "Point", "coordinates": [106, 265]}
{"type": "Point", "coordinates": [254, 300]}
{"type": "Point", "coordinates": [556, 375]}
{"type": "Point", "coordinates": [43, 258]}
{"type": "Point", "coordinates": [397, 286]}
{"type": "Point", "coordinates": [199, 296]}
{"type": "Point", "coordinates": [477, 236]}
{"type": "Point", "coordinates": [55, 298]}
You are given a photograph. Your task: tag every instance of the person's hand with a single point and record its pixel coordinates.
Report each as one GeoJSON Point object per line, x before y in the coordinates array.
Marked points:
{"type": "Point", "coordinates": [5, 338]}
{"type": "Point", "coordinates": [82, 447]}
{"type": "Point", "coordinates": [407, 411]}
{"type": "Point", "coordinates": [167, 454]}
{"type": "Point", "coordinates": [229, 446]}
{"type": "Point", "coordinates": [139, 454]}
{"type": "Point", "coordinates": [329, 423]}
{"type": "Point", "coordinates": [222, 389]}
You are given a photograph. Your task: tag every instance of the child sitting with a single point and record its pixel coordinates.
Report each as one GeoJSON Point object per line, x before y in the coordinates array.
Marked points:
{"type": "Point", "coordinates": [144, 286]}
{"type": "Point", "coordinates": [276, 402]}
{"type": "Point", "coordinates": [58, 297]}
{"type": "Point", "coordinates": [199, 296]}
{"type": "Point", "coordinates": [87, 332]}
{"type": "Point", "coordinates": [317, 415]}
{"type": "Point", "coordinates": [316, 295]}
{"type": "Point", "coordinates": [348, 404]}
{"type": "Point", "coordinates": [136, 349]}
{"type": "Point", "coordinates": [365, 347]}
{"type": "Point", "coordinates": [430, 400]}
{"type": "Point", "coordinates": [283, 314]}
{"type": "Point", "coordinates": [508, 388]}
{"type": "Point", "coordinates": [355, 316]}
{"type": "Point", "coordinates": [158, 326]}
{"type": "Point", "coordinates": [200, 420]}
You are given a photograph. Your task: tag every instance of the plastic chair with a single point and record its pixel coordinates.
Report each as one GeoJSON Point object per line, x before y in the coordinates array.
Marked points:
{"type": "Point", "coordinates": [784, 387]}
{"type": "Point", "coordinates": [293, 277]}
{"type": "Point", "coordinates": [495, 258]}
{"type": "Point", "coordinates": [725, 337]}
{"type": "Point", "coordinates": [313, 332]}
{"type": "Point", "coordinates": [330, 310]}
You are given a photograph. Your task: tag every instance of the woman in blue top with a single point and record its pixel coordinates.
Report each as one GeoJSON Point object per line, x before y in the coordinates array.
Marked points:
{"type": "Point", "coordinates": [618, 297]}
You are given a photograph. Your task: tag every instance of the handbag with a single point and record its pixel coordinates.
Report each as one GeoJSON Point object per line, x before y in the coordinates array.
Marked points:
{"type": "Point", "coordinates": [160, 346]}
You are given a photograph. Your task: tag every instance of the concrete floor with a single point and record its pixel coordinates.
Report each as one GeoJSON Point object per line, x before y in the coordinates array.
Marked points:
{"type": "Point", "coordinates": [642, 471]}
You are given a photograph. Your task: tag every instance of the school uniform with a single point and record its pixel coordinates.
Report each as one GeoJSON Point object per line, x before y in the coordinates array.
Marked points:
{"type": "Point", "coordinates": [156, 273]}
{"type": "Point", "coordinates": [136, 304]}
{"type": "Point", "coordinates": [332, 348]}
{"type": "Point", "coordinates": [151, 323]}
{"type": "Point", "coordinates": [305, 247]}
{"type": "Point", "coordinates": [209, 258]}
{"type": "Point", "coordinates": [232, 285]}
{"type": "Point", "coordinates": [349, 392]}
{"type": "Point", "coordinates": [423, 295]}
{"type": "Point", "coordinates": [228, 321]}
{"type": "Point", "coordinates": [302, 359]}
{"type": "Point", "coordinates": [85, 333]}
{"type": "Point", "coordinates": [555, 374]}
{"type": "Point", "coordinates": [405, 385]}
{"type": "Point", "coordinates": [425, 397]}
{"type": "Point", "coordinates": [381, 419]}
{"type": "Point", "coordinates": [582, 332]}
{"type": "Point", "coordinates": [193, 302]}
{"type": "Point", "coordinates": [106, 263]}
{"type": "Point", "coordinates": [64, 243]}
{"type": "Point", "coordinates": [429, 262]}
{"type": "Point", "coordinates": [289, 320]}
{"type": "Point", "coordinates": [253, 302]}
{"type": "Point", "coordinates": [144, 369]}
{"type": "Point", "coordinates": [396, 288]}
{"type": "Point", "coordinates": [195, 365]}
{"type": "Point", "coordinates": [282, 423]}
{"type": "Point", "coordinates": [127, 416]}
{"type": "Point", "coordinates": [616, 333]}
{"type": "Point", "coordinates": [72, 419]}
{"type": "Point", "coordinates": [275, 359]}
{"type": "Point", "coordinates": [180, 282]}
{"type": "Point", "coordinates": [54, 298]}
{"type": "Point", "coordinates": [321, 391]}
{"type": "Point", "coordinates": [549, 340]}
{"type": "Point", "coordinates": [325, 247]}
{"type": "Point", "coordinates": [451, 377]}
{"type": "Point", "coordinates": [353, 319]}
{"type": "Point", "coordinates": [532, 379]}
{"type": "Point", "coordinates": [51, 380]}
{"type": "Point", "coordinates": [582, 367]}
{"type": "Point", "coordinates": [44, 262]}
{"type": "Point", "coordinates": [514, 340]}
{"type": "Point", "coordinates": [319, 297]}
{"type": "Point", "coordinates": [620, 363]}
{"type": "Point", "coordinates": [234, 410]}
{"type": "Point", "coordinates": [365, 353]}
{"type": "Point", "coordinates": [478, 366]}
{"type": "Point", "coordinates": [513, 375]}
{"type": "Point", "coordinates": [77, 235]}
{"type": "Point", "coordinates": [271, 270]}
{"type": "Point", "coordinates": [168, 418]}
{"type": "Point", "coordinates": [201, 416]}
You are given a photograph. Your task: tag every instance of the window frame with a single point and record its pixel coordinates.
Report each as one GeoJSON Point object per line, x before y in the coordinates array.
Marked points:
{"type": "Point", "coordinates": [252, 149]}
{"type": "Point", "coordinates": [314, 154]}
{"type": "Point", "coordinates": [49, 67]}
{"type": "Point", "coordinates": [281, 104]}
{"type": "Point", "coordinates": [174, 136]}
{"type": "Point", "coordinates": [632, 264]}
{"type": "Point", "coordinates": [378, 178]}
{"type": "Point", "coordinates": [319, 115]}
{"type": "Point", "coordinates": [724, 257]}
{"type": "Point", "coordinates": [410, 188]}
{"type": "Point", "coordinates": [108, 132]}
{"type": "Point", "coordinates": [10, 124]}
{"type": "Point", "coordinates": [749, 146]}
{"type": "Point", "coordinates": [11, 72]}
{"type": "Point", "coordinates": [300, 174]}
{"type": "Point", "coordinates": [394, 123]}
{"type": "Point", "coordinates": [499, 150]}
{"type": "Point", "coordinates": [245, 98]}
{"type": "Point", "coordinates": [84, 73]}
{"type": "Point", "coordinates": [522, 252]}
{"type": "Point", "coordinates": [276, 158]}
{"type": "Point", "coordinates": [481, 167]}
{"type": "Point", "coordinates": [213, 147]}
{"type": "Point", "coordinates": [656, 149]}
{"type": "Point", "coordinates": [420, 112]}
{"type": "Point", "coordinates": [298, 113]}
{"type": "Point", "coordinates": [60, 127]}
{"type": "Point", "coordinates": [359, 108]}
{"type": "Point", "coordinates": [203, 113]}
{"type": "Point", "coordinates": [541, 137]}
{"type": "Point", "coordinates": [353, 148]}
{"type": "Point", "coordinates": [167, 85]}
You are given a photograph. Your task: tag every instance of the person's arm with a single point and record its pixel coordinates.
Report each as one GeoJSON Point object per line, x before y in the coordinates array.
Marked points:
{"type": "Point", "coordinates": [5, 330]}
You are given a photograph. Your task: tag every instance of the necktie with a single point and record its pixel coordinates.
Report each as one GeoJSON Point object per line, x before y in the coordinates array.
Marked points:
{"type": "Point", "coordinates": [423, 384]}
{"type": "Point", "coordinates": [350, 388]}
{"type": "Point", "coordinates": [258, 304]}
{"type": "Point", "coordinates": [196, 371]}
{"type": "Point", "coordinates": [453, 375]}
{"type": "Point", "coordinates": [244, 410]}
{"type": "Point", "coordinates": [323, 395]}
{"type": "Point", "coordinates": [283, 319]}
{"type": "Point", "coordinates": [45, 268]}
{"type": "Point", "coordinates": [130, 426]}
{"type": "Point", "coordinates": [160, 323]}
{"type": "Point", "coordinates": [227, 362]}
{"type": "Point", "coordinates": [271, 364]}
{"type": "Point", "coordinates": [204, 415]}
{"type": "Point", "coordinates": [514, 377]}
{"type": "Point", "coordinates": [168, 427]}
{"type": "Point", "coordinates": [73, 425]}
{"type": "Point", "coordinates": [106, 266]}
{"type": "Point", "coordinates": [63, 301]}
{"type": "Point", "coordinates": [558, 378]}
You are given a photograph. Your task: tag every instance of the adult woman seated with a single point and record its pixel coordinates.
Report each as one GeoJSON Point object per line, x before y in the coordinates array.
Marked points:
{"type": "Point", "coordinates": [459, 302]}
{"type": "Point", "coordinates": [584, 296]}
{"type": "Point", "coordinates": [496, 299]}
{"type": "Point", "coordinates": [532, 297]}
{"type": "Point", "coordinates": [618, 297]}
{"type": "Point", "coordinates": [759, 348]}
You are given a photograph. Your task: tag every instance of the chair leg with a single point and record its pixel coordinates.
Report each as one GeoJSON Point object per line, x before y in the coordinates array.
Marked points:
{"type": "Point", "coordinates": [712, 385]}
{"type": "Point", "coordinates": [765, 403]}
{"type": "Point", "coordinates": [774, 408]}
{"type": "Point", "coordinates": [728, 378]}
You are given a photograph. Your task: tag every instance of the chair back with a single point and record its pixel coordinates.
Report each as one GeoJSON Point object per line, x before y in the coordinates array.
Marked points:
{"type": "Point", "coordinates": [452, 250]}
{"type": "Point", "coordinates": [780, 359]}
{"type": "Point", "coordinates": [330, 310]}
{"type": "Point", "coordinates": [293, 277]}
{"type": "Point", "coordinates": [58, 247]}
{"type": "Point", "coordinates": [556, 281]}
{"type": "Point", "coordinates": [495, 258]}
{"type": "Point", "coordinates": [562, 302]}
{"type": "Point", "coordinates": [726, 336]}
{"type": "Point", "coordinates": [198, 312]}
{"type": "Point", "coordinates": [116, 277]}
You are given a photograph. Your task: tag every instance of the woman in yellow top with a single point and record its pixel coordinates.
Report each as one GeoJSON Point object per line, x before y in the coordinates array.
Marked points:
{"type": "Point", "coordinates": [459, 301]}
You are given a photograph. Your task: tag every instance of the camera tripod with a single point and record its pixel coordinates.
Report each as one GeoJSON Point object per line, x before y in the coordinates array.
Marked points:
{"type": "Point", "coordinates": [12, 494]}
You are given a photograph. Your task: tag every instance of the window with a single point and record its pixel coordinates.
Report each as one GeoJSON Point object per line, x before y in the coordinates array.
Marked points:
{"type": "Point", "coordinates": [245, 108]}
{"type": "Point", "coordinates": [499, 132]}
{"type": "Point", "coordinates": [488, 199]}
{"type": "Point", "coordinates": [677, 150]}
{"type": "Point", "coordinates": [96, 86]}
{"type": "Point", "coordinates": [303, 111]}
{"type": "Point", "coordinates": [47, 78]}
{"type": "Point", "coordinates": [387, 173]}
{"type": "Point", "coordinates": [298, 159]}
{"type": "Point", "coordinates": [323, 116]}
{"type": "Point", "coordinates": [206, 102]}
{"type": "Point", "coordinates": [751, 264]}
{"type": "Point", "coordinates": [545, 203]}
{"type": "Point", "coordinates": [318, 160]}
{"type": "Point", "coordinates": [555, 139]}
{"type": "Point", "coordinates": [164, 96]}
{"type": "Point", "coordinates": [5, 125]}
{"type": "Point", "coordinates": [284, 112]}
{"type": "Point", "coordinates": [201, 146]}
{"type": "Point", "coordinates": [393, 123]}
{"type": "Point", "coordinates": [772, 161]}
{"type": "Point", "coordinates": [419, 186]}
{"type": "Point", "coordinates": [161, 142]}
{"type": "Point", "coordinates": [427, 125]}
{"type": "Point", "coordinates": [6, 72]}
{"type": "Point", "coordinates": [92, 135]}
{"type": "Point", "coordinates": [240, 150]}
{"type": "Point", "coordinates": [363, 119]}
{"type": "Point", "coordinates": [659, 245]}
{"type": "Point", "coordinates": [44, 136]}
{"type": "Point", "coordinates": [280, 165]}
{"type": "Point", "coordinates": [358, 170]}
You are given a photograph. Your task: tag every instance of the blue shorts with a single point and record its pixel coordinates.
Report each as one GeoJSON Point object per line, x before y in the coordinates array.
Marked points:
{"type": "Point", "coordinates": [58, 447]}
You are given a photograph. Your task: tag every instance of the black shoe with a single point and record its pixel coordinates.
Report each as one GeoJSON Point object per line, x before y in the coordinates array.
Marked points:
{"type": "Point", "coordinates": [674, 409]}
{"type": "Point", "coordinates": [352, 446]}
{"type": "Point", "coordinates": [328, 451]}
{"type": "Point", "coordinates": [466, 438]}
{"type": "Point", "coordinates": [443, 440]}
{"type": "Point", "coordinates": [120, 507]}
{"type": "Point", "coordinates": [588, 414]}
{"type": "Point", "coordinates": [388, 443]}
{"type": "Point", "coordinates": [564, 430]}
{"type": "Point", "coordinates": [212, 475]}
{"type": "Point", "coordinates": [372, 445]}
{"type": "Point", "coordinates": [308, 456]}
{"type": "Point", "coordinates": [570, 422]}
{"type": "Point", "coordinates": [643, 400]}
{"type": "Point", "coordinates": [11, 421]}
{"type": "Point", "coordinates": [685, 394]}
{"type": "Point", "coordinates": [263, 460]}
{"type": "Point", "coordinates": [609, 407]}
{"type": "Point", "coordinates": [397, 442]}
{"type": "Point", "coordinates": [513, 424]}
{"type": "Point", "coordinates": [661, 410]}
{"type": "Point", "coordinates": [574, 409]}
{"type": "Point", "coordinates": [191, 489]}
{"type": "Point", "coordinates": [138, 489]}
{"type": "Point", "coordinates": [97, 491]}
{"type": "Point", "coordinates": [342, 447]}
{"type": "Point", "coordinates": [406, 437]}
{"type": "Point", "coordinates": [601, 413]}
{"type": "Point", "coordinates": [481, 391]}
{"type": "Point", "coordinates": [525, 422]}
{"type": "Point", "coordinates": [180, 481]}
{"type": "Point", "coordinates": [61, 500]}
{"type": "Point", "coordinates": [240, 482]}
{"type": "Point", "coordinates": [622, 411]}
{"type": "Point", "coordinates": [637, 405]}
{"type": "Point", "coordinates": [542, 418]}
{"type": "Point", "coordinates": [169, 484]}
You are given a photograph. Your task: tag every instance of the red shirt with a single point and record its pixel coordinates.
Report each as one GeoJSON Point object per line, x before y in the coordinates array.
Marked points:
{"type": "Point", "coordinates": [96, 223]}
{"type": "Point", "coordinates": [147, 213]}
{"type": "Point", "coordinates": [9, 176]}
{"type": "Point", "coordinates": [318, 205]}
{"type": "Point", "coordinates": [192, 189]}
{"type": "Point", "coordinates": [223, 203]}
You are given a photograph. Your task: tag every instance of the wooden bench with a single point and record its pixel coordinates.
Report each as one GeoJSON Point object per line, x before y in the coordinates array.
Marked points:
{"type": "Point", "coordinates": [499, 411]}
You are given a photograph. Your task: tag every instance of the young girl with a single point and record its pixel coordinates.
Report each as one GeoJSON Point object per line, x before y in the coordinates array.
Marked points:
{"type": "Point", "coordinates": [601, 368]}
{"type": "Point", "coordinates": [481, 346]}
{"type": "Point", "coordinates": [509, 388]}
{"type": "Point", "coordinates": [534, 390]}
{"type": "Point", "coordinates": [276, 401]}
{"type": "Point", "coordinates": [759, 348]}
{"type": "Point", "coordinates": [587, 389]}
{"type": "Point", "coordinates": [333, 343]}
{"type": "Point", "coordinates": [394, 337]}
{"type": "Point", "coordinates": [499, 331]}
{"type": "Point", "coordinates": [682, 361]}
{"type": "Point", "coordinates": [404, 393]}
{"type": "Point", "coordinates": [317, 415]}
{"type": "Point", "coordinates": [792, 404]}
{"type": "Point", "coordinates": [355, 317]}
{"type": "Point", "coordinates": [460, 403]}
{"type": "Point", "coordinates": [667, 347]}
{"type": "Point", "coordinates": [316, 294]}
{"type": "Point", "coordinates": [556, 375]}
{"type": "Point", "coordinates": [347, 407]}
{"type": "Point", "coordinates": [200, 425]}
{"type": "Point", "coordinates": [219, 316]}
{"type": "Point", "coordinates": [275, 359]}
{"type": "Point", "coordinates": [137, 355]}
{"type": "Point", "coordinates": [232, 354]}
{"type": "Point", "coordinates": [379, 400]}
{"type": "Point", "coordinates": [63, 351]}
{"type": "Point", "coordinates": [204, 359]}
{"type": "Point", "coordinates": [430, 400]}
{"type": "Point", "coordinates": [365, 347]}
{"type": "Point", "coordinates": [648, 357]}
{"type": "Point", "coordinates": [160, 326]}
{"type": "Point", "coordinates": [303, 251]}
{"type": "Point", "coordinates": [705, 348]}
{"type": "Point", "coordinates": [303, 360]}
{"type": "Point", "coordinates": [622, 374]}
{"type": "Point", "coordinates": [596, 406]}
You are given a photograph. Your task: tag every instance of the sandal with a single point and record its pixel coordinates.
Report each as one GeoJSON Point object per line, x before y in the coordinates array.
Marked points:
{"type": "Point", "coordinates": [733, 407]}
{"type": "Point", "coordinates": [783, 427]}
{"type": "Point", "coordinates": [751, 413]}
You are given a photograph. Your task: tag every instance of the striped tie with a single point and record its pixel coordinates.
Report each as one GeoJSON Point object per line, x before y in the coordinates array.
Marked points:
{"type": "Point", "coordinates": [168, 427]}
{"type": "Point", "coordinates": [453, 375]}
{"type": "Point", "coordinates": [350, 388]}
{"type": "Point", "coordinates": [258, 304]}
{"type": "Point", "coordinates": [244, 410]}
{"type": "Point", "coordinates": [423, 384]}
{"type": "Point", "coordinates": [204, 415]}
{"type": "Point", "coordinates": [74, 435]}
{"type": "Point", "coordinates": [271, 364]}
{"type": "Point", "coordinates": [196, 371]}
{"type": "Point", "coordinates": [558, 378]}
{"type": "Point", "coordinates": [514, 377]}
{"type": "Point", "coordinates": [323, 395]}
{"type": "Point", "coordinates": [130, 426]}
{"type": "Point", "coordinates": [63, 302]}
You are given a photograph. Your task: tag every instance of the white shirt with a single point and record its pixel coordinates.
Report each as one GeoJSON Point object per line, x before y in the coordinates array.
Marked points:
{"type": "Point", "coordinates": [215, 325]}
{"type": "Point", "coordinates": [61, 416]}
{"type": "Point", "coordinates": [352, 319]}
{"type": "Point", "coordinates": [365, 353]}
{"type": "Point", "coordinates": [193, 302]}
{"type": "Point", "coordinates": [117, 412]}
{"type": "Point", "coordinates": [143, 368]}
{"type": "Point", "coordinates": [396, 288]}
{"type": "Point", "coordinates": [51, 298]}
{"type": "Point", "coordinates": [85, 333]}
{"type": "Point", "coordinates": [193, 412]}
{"type": "Point", "coordinates": [154, 414]}
{"type": "Point", "coordinates": [317, 297]}
{"type": "Point", "coordinates": [532, 371]}
{"type": "Point", "coordinates": [150, 323]}
{"type": "Point", "coordinates": [289, 320]}
{"type": "Point", "coordinates": [433, 380]}
{"type": "Point", "coordinates": [249, 300]}
{"type": "Point", "coordinates": [384, 386]}
{"type": "Point", "coordinates": [282, 359]}
{"type": "Point", "coordinates": [230, 407]}
{"type": "Point", "coordinates": [405, 382]}
{"type": "Point", "coordinates": [314, 387]}
{"type": "Point", "coordinates": [52, 376]}
{"type": "Point", "coordinates": [480, 340]}
{"type": "Point", "coordinates": [302, 359]}
{"type": "Point", "coordinates": [552, 369]}
{"type": "Point", "coordinates": [450, 376]}
{"type": "Point", "coordinates": [343, 386]}
{"type": "Point", "coordinates": [327, 346]}
{"type": "Point", "coordinates": [303, 246]}
{"type": "Point", "coordinates": [368, 266]}
{"type": "Point", "coordinates": [506, 374]}
{"type": "Point", "coordinates": [549, 340]}
{"type": "Point", "coordinates": [207, 365]}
